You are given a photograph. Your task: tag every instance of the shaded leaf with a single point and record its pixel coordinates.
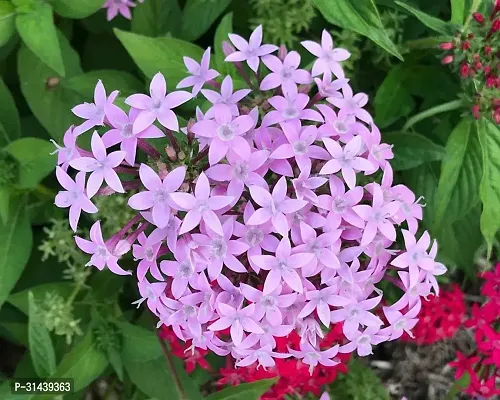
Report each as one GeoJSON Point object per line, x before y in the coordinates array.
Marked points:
{"type": "Point", "coordinates": [7, 21]}
{"type": "Point", "coordinates": [9, 116]}
{"type": "Point", "coordinates": [489, 137]}
{"type": "Point", "coordinates": [39, 33]}
{"type": "Point", "coordinates": [360, 16]}
{"type": "Point", "coordinates": [112, 80]}
{"type": "Point", "coordinates": [76, 9]}
{"type": "Point", "coordinates": [411, 150]}
{"type": "Point", "coordinates": [199, 15]}
{"type": "Point", "coordinates": [20, 299]}
{"type": "Point", "coordinates": [244, 391]}
{"type": "Point", "coordinates": [41, 348]}
{"type": "Point", "coordinates": [221, 34]}
{"type": "Point", "coordinates": [157, 18]}
{"type": "Point", "coordinates": [429, 21]}
{"type": "Point", "coordinates": [139, 344]}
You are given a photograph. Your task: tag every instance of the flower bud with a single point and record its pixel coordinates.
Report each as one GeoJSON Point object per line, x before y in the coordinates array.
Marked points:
{"type": "Point", "coordinates": [478, 66]}
{"type": "Point", "coordinates": [227, 48]}
{"type": "Point", "coordinates": [121, 248]}
{"type": "Point", "coordinates": [495, 26]}
{"type": "Point", "coordinates": [446, 46]}
{"type": "Point", "coordinates": [282, 52]}
{"type": "Point", "coordinates": [447, 60]}
{"type": "Point", "coordinates": [465, 45]}
{"type": "Point", "coordinates": [476, 112]}
{"type": "Point", "coordinates": [478, 17]}
{"type": "Point", "coordinates": [496, 116]}
{"type": "Point", "coordinates": [170, 152]}
{"type": "Point", "coordinates": [496, 102]}
{"type": "Point", "coordinates": [464, 71]}
{"type": "Point", "coordinates": [488, 50]}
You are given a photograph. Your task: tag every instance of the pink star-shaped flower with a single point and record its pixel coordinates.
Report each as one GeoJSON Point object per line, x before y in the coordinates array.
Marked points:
{"type": "Point", "coordinates": [200, 73]}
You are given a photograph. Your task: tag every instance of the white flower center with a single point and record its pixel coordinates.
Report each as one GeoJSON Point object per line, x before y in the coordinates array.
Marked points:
{"type": "Point", "coordinates": [126, 131]}
{"type": "Point", "coordinates": [300, 147]}
{"type": "Point", "coordinates": [240, 171]}
{"type": "Point", "coordinates": [219, 248]}
{"type": "Point", "coordinates": [254, 236]}
{"type": "Point", "coordinates": [225, 132]}
{"type": "Point", "coordinates": [341, 127]}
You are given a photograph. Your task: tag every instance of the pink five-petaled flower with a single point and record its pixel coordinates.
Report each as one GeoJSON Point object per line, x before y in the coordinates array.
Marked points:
{"type": "Point", "coordinates": [158, 193]}
{"type": "Point", "coordinates": [74, 196]}
{"type": "Point", "coordinates": [238, 319]}
{"type": "Point", "coordinates": [354, 313]}
{"type": "Point", "coordinates": [282, 267]}
{"type": "Point", "coordinates": [101, 167]}
{"type": "Point", "coordinates": [401, 323]}
{"type": "Point", "coordinates": [250, 51]}
{"type": "Point", "coordinates": [147, 252]}
{"type": "Point", "coordinates": [329, 88]}
{"type": "Point", "coordinates": [183, 271]}
{"type": "Point", "coordinates": [274, 206]}
{"type": "Point", "coordinates": [313, 357]}
{"type": "Point", "coordinates": [377, 217]}
{"type": "Point", "coordinates": [69, 152]}
{"type": "Point", "coordinates": [264, 355]}
{"type": "Point", "coordinates": [118, 6]}
{"type": "Point", "coordinates": [289, 108]}
{"type": "Point", "coordinates": [284, 73]}
{"type": "Point", "coordinates": [122, 131]}
{"type": "Point", "coordinates": [157, 106]}
{"type": "Point", "coordinates": [328, 58]}
{"type": "Point", "coordinates": [101, 256]}
{"type": "Point", "coordinates": [226, 133]}
{"type": "Point", "coordinates": [321, 300]}
{"type": "Point", "coordinates": [346, 159]}
{"type": "Point", "coordinates": [362, 341]}
{"type": "Point", "coordinates": [226, 96]}
{"type": "Point", "coordinates": [95, 112]}
{"type": "Point", "coordinates": [200, 73]}
{"type": "Point", "coordinates": [201, 206]}
{"type": "Point", "coordinates": [305, 185]}
{"type": "Point", "coordinates": [352, 104]}
{"type": "Point", "coordinates": [300, 145]}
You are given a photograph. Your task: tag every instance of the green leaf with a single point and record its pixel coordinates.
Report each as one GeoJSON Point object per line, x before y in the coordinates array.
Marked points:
{"type": "Point", "coordinates": [489, 137]}
{"type": "Point", "coordinates": [360, 16]}
{"type": "Point", "coordinates": [458, 11]}
{"type": "Point", "coordinates": [139, 344]}
{"type": "Point", "coordinates": [15, 246]}
{"type": "Point", "coordinates": [35, 160]}
{"type": "Point", "coordinates": [41, 349]}
{"type": "Point", "coordinates": [76, 9]}
{"type": "Point", "coordinates": [458, 189]}
{"type": "Point", "coordinates": [157, 18]}
{"type": "Point", "coordinates": [7, 21]}
{"type": "Point", "coordinates": [112, 80]}
{"type": "Point", "coordinates": [245, 391]}
{"type": "Point", "coordinates": [165, 55]}
{"type": "Point", "coordinates": [20, 299]}
{"type": "Point", "coordinates": [459, 385]}
{"type": "Point", "coordinates": [411, 150]}
{"type": "Point", "coordinates": [9, 116]}
{"type": "Point", "coordinates": [429, 21]}
{"type": "Point", "coordinates": [84, 363]}
{"type": "Point", "coordinates": [39, 33]}
{"type": "Point", "coordinates": [221, 34]}
{"type": "Point", "coordinates": [48, 100]}
{"type": "Point", "coordinates": [16, 332]}
{"type": "Point", "coordinates": [199, 15]}
{"type": "Point", "coordinates": [4, 204]}
{"type": "Point", "coordinates": [392, 100]}
{"type": "Point", "coordinates": [115, 359]}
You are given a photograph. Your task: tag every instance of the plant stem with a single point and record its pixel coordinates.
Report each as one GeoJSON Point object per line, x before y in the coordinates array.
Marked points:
{"type": "Point", "coordinates": [450, 106]}
{"type": "Point", "coordinates": [45, 191]}
{"type": "Point", "coordinates": [171, 367]}
{"type": "Point", "coordinates": [172, 139]}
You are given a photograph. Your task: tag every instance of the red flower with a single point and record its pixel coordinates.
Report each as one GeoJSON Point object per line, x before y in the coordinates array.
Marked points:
{"type": "Point", "coordinates": [464, 364]}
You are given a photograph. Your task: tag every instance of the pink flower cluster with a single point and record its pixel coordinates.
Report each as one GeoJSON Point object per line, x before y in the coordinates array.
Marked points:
{"type": "Point", "coordinates": [279, 230]}
{"type": "Point", "coordinates": [122, 7]}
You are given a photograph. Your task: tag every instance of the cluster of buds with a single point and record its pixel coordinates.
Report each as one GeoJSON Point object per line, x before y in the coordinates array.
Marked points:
{"type": "Point", "coordinates": [483, 364]}
{"type": "Point", "coordinates": [122, 7]}
{"type": "Point", "coordinates": [264, 220]}
{"type": "Point", "coordinates": [475, 54]}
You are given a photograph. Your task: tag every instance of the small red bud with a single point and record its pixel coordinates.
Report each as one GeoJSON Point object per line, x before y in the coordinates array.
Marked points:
{"type": "Point", "coordinates": [490, 82]}
{"type": "Point", "coordinates": [476, 57]}
{"type": "Point", "coordinates": [496, 8]}
{"type": "Point", "coordinates": [478, 17]}
{"type": "Point", "coordinates": [472, 72]}
{"type": "Point", "coordinates": [495, 103]}
{"type": "Point", "coordinates": [476, 112]}
{"type": "Point", "coordinates": [447, 60]}
{"type": "Point", "coordinates": [495, 26]}
{"type": "Point", "coordinates": [478, 66]}
{"type": "Point", "coordinates": [487, 70]}
{"type": "Point", "coordinates": [466, 45]}
{"type": "Point", "coordinates": [446, 46]}
{"type": "Point", "coordinates": [470, 36]}
{"type": "Point", "coordinates": [464, 71]}
{"type": "Point", "coordinates": [496, 116]}
{"type": "Point", "coordinates": [487, 50]}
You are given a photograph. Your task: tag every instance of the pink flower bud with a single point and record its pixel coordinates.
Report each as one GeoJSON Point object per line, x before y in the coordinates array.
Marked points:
{"type": "Point", "coordinates": [478, 17]}
{"type": "Point", "coordinates": [282, 52]}
{"type": "Point", "coordinates": [465, 45]}
{"type": "Point", "coordinates": [447, 60]}
{"type": "Point", "coordinates": [121, 248]}
{"type": "Point", "coordinates": [495, 27]}
{"type": "Point", "coordinates": [171, 153]}
{"type": "Point", "coordinates": [476, 111]}
{"type": "Point", "coordinates": [487, 50]}
{"type": "Point", "coordinates": [464, 71]}
{"type": "Point", "coordinates": [227, 48]}
{"type": "Point", "coordinates": [446, 46]}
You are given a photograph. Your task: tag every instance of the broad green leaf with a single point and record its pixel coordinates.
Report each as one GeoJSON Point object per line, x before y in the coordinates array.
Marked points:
{"type": "Point", "coordinates": [458, 10]}
{"type": "Point", "coordinates": [360, 16]}
{"type": "Point", "coordinates": [41, 348]}
{"type": "Point", "coordinates": [489, 137]}
{"type": "Point", "coordinates": [5, 194]}
{"type": "Point", "coordinates": [461, 170]}
{"type": "Point", "coordinates": [429, 21]}
{"type": "Point", "coordinates": [9, 116]}
{"type": "Point", "coordinates": [392, 100]}
{"type": "Point", "coordinates": [245, 391]}
{"type": "Point", "coordinates": [76, 9]}
{"type": "Point", "coordinates": [115, 359]}
{"type": "Point", "coordinates": [112, 80]}
{"type": "Point", "coordinates": [39, 33]}
{"type": "Point", "coordinates": [199, 15]}
{"type": "Point", "coordinates": [20, 299]}
{"type": "Point", "coordinates": [411, 150]}
{"type": "Point", "coordinates": [165, 55]}
{"type": "Point", "coordinates": [15, 246]}
{"type": "Point", "coordinates": [157, 18]}
{"type": "Point", "coordinates": [221, 34]}
{"type": "Point", "coordinates": [48, 100]}
{"type": "Point", "coordinates": [139, 344]}
{"type": "Point", "coordinates": [83, 363]}
{"type": "Point", "coordinates": [35, 160]}
{"type": "Point", "coordinates": [7, 21]}
{"type": "Point", "coordinates": [16, 332]}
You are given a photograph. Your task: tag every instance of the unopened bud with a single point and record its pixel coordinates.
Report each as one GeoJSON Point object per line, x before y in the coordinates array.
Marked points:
{"type": "Point", "coordinates": [478, 66]}
{"type": "Point", "coordinates": [496, 116]}
{"type": "Point", "coordinates": [446, 46]}
{"type": "Point", "coordinates": [488, 50]}
{"type": "Point", "coordinates": [170, 152]}
{"type": "Point", "coordinates": [465, 45]}
{"type": "Point", "coordinates": [282, 52]}
{"type": "Point", "coordinates": [121, 248]}
{"type": "Point", "coordinates": [476, 112]}
{"type": "Point", "coordinates": [227, 48]}
{"type": "Point", "coordinates": [464, 71]}
{"type": "Point", "coordinates": [304, 88]}
{"type": "Point", "coordinates": [495, 103]}
{"type": "Point", "coordinates": [495, 27]}
{"type": "Point", "coordinates": [478, 17]}
{"type": "Point", "coordinates": [447, 60]}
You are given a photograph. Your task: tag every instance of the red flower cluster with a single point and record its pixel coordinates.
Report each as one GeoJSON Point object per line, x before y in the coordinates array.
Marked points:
{"type": "Point", "coordinates": [293, 374]}
{"type": "Point", "coordinates": [475, 53]}
{"type": "Point", "coordinates": [483, 365]}
{"type": "Point", "coordinates": [439, 318]}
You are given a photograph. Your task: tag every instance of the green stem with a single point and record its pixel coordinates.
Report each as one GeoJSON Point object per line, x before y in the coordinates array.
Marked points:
{"type": "Point", "coordinates": [450, 106]}
{"type": "Point", "coordinates": [171, 367]}
{"type": "Point", "coordinates": [473, 9]}
{"type": "Point", "coordinates": [74, 293]}
{"type": "Point", "coordinates": [45, 191]}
